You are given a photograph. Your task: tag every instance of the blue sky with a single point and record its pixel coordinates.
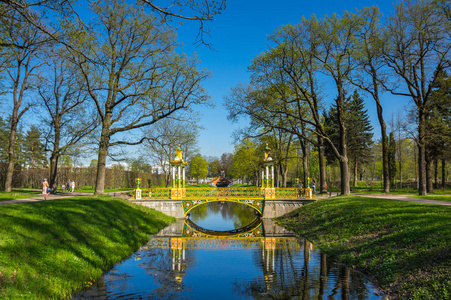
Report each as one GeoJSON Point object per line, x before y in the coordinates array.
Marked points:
{"type": "Point", "coordinates": [238, 35]}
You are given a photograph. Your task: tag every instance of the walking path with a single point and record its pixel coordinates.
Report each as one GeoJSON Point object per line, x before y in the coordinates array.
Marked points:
{"type": "Point", "coordinates": [118, 194]}
{"type": "Point", "coordinates": [405, 198]}
{"type": "Point", "coordinates": [41, 198]}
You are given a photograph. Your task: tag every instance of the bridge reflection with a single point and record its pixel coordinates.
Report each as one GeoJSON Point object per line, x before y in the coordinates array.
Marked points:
{"type": "Point", "coordinates": [259, 261]}
{"type": "Point", "coordinates": [261, 234]}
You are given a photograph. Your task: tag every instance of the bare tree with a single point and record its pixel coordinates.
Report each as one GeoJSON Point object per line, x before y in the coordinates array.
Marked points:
{"type": "Point", "coordinates": [417, 49]}
{"type": "Point", "coordinates": [20, 64]}
{"type": "Point", "coordinates": [132, 74]}
{"type": "Point", "coordinates": [68, 116]}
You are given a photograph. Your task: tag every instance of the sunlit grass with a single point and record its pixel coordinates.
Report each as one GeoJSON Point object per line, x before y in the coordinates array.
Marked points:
{"type": "Point", "coordinates": [49, 249]}
{"type": "Point", "coordinates": [438, 197]}
{"type": "Point", "coordinates": [405, 247]}
{"type": "Point", "coordinates": [19, 194]}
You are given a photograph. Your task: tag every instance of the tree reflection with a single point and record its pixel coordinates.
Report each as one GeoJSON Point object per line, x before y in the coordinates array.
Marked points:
{"type": "Point", "coordinates": [290, 274]}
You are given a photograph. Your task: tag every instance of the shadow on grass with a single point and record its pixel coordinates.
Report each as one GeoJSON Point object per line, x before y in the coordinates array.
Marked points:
{"type": "Point", "coordinates": [404, 246]}
{"type": "Point", "coordinates": [49, 249]}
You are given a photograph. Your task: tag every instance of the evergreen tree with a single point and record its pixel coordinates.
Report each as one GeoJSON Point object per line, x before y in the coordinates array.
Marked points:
{"type": "Point", "coordinates": [360, 136]}
{"type": "Point", "coordinates": [33, 149]}
{"type": "Point", "coordinates": [4, 138]}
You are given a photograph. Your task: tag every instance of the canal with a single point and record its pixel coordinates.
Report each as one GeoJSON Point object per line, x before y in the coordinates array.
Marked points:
{"type": "Point", "coordinates": [224, 252]}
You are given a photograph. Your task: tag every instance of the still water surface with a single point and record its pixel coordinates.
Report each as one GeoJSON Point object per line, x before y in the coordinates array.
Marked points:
{"type": "Point", "coordinates": [224, 252]}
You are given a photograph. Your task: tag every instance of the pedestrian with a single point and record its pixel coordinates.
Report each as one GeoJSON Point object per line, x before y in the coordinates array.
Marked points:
{"type": "Point", "coordinates": [314, 186]}
{"type": "Point", "coordinates": [63, 187]}
{"type": "Point", "coordinates": [68, 185]}
{"type": "Point", "coordinates": [72, 185]}
{"type": "Point", "coordinates": [45, 187]}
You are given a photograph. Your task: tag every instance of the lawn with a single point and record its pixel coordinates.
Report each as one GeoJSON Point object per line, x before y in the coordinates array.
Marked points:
{"type": "Point", "coordinates": [50, 249]}
{"type": "Point", "coordinates": [403, 247]}
{"type": "Point", "coordinates": [434, 197]}
{"type": "Point", "coordinates": [19, 194]}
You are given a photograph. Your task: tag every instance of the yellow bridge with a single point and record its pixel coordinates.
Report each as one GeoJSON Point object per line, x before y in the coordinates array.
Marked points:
{"type": "Point", "coordinates": [163, 199]}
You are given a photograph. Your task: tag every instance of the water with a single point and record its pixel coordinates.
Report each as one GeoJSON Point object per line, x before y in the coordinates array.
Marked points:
{"type": "Point", "coordinates": [237, 257]}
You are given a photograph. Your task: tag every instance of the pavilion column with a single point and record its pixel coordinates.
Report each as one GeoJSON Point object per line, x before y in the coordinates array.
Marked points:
{"type": "Point", "coordinates": [183, 177]}
{"type": "Point", "coordinates": [179, 183]}
{"type": "Point", "coordinates": [263, 178]}
{"type": "Point", "coordinates": [267, 176]}
{"type": "Point", "coordinates": [173, 176]}
{"type": "Point", "coordinates": [272, 176]}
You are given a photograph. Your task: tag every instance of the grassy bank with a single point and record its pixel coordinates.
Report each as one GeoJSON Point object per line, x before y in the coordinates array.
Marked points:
{"type": "Point", "coordinates": [49, 249]}
{"type": "Point", "coordinates": [404, 247]}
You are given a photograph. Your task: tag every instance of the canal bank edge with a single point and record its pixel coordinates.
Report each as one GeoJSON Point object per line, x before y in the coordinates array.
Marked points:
{"type": "Point", "coordinates": [51, 249]}
{"type": "Point", "coordinates": [403, 247]}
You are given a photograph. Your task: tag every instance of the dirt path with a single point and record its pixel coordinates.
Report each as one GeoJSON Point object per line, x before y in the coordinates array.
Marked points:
{"type": "Point", "coordinates": [405, 198]}
{"type": "Point", "coordinates": [41, 198]}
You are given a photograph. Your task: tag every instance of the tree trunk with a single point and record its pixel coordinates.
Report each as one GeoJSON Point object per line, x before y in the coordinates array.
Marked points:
{"type": "Point", "coordinates": [443, 174]}
{"type": "Point", "coordinates": [103, 153]}
{"type": "Point", "coordinates": [322, 166]}
{"type": "Point", "coordinates": [344, 176]}
{"type": "Point", "coordinates": [429, 185]}
{"type": "Point", "coordinates": [385, 166]}
{"type": "Point", "coordinates": [355, 172]}
{"type": "Point", "coordinates": [53, 170]}
{"type": "Point", "coordinates": [436, 173]}
{"type": "Point", "coordinates": [11, 158]}
{"type": "Point", "coordinates": [422, 186]}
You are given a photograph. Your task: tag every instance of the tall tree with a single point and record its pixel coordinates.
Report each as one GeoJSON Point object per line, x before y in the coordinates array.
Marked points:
{"type": "Point", "coordinates": [418, 45]}
{"type": "Point", "coordinates": [369, 74]}
{"type": "Point", "coordinates": [132, 74]}
{"type": "Point", "coordinates": [360, 136]}
{"type": "Point", "coordinates": [164, 137]}
{"type": "Point", "coordinates": [20, 64]}
{"type": "Point", "coordinates": [68, 117]}
{"type": "Point", "coordinates": [198, 167]}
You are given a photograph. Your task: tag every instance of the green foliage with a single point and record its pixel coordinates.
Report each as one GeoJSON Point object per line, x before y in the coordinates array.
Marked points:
{"type": "Point", "coordinates": [391, 157]}
{"type": "Point", "coordinates": [198, 167]}
{"type": "Point", "coordinates": [245, 160]}
{"type": "Point", "coordinates": [4, 140]}
{"type": "Point", "coordinates": [404, 246]}
{"type": "Point", "coordinates": [52, 248]}
{"type": "Point", "coordinates": [34, 149]}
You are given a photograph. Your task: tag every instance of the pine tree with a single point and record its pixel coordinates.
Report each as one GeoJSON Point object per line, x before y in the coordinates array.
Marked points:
{"type": "Point", "coordinates": [33, 149]}
{"type": "Point", "coordinates": [360, 136]}
{"type": "Point", "coordinates": [4, 139]}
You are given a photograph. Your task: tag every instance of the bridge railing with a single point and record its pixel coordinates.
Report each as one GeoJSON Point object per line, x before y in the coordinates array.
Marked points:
{"type": "Point", "coordinates": [287, 193]}
{"type": "Point", "coordinates": [157, 193]}
{"type": "Point", "coordinates": [223, 193]}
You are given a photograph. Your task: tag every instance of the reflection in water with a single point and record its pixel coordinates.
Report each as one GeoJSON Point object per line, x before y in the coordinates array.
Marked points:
{"type": "Point", "coordinates": [186, 261]}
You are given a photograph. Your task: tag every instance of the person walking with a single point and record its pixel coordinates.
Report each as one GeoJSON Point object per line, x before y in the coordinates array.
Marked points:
{"type": "Point", "coordinates": [45, 188]}
{"type": "Point", "coordinates": [314, 186]}
{"type": "Point", "coordinates": [72, 185]}
{"type": "Point", "coordinates": [68, 185]}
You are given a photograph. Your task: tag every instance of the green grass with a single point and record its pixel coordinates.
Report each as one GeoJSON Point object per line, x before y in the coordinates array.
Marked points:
{"type": "Point", "coordinates": [202, 185]}
{"type": "Point", "coordinates": [438, 197]}
{"type": "Point", "coordinates": [242, 185]}
{"type": "Point", "coordinates": [404, 247]}
{"type": "Point", "coordinates": [50, 249]}
{"type": "Point", "coordinates": [19, 194]}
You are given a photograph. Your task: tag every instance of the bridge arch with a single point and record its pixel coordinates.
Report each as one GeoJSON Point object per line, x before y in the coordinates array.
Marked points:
{"type": "Point", "coordinates": [188, 205]}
